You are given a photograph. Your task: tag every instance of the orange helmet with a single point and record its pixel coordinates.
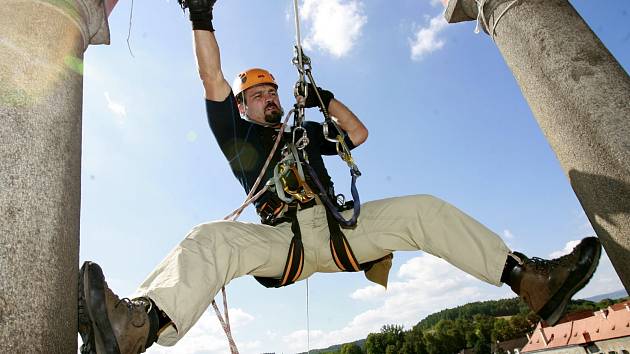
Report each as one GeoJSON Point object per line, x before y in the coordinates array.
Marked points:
{"type": "Point", "coordinates": [252, 77]}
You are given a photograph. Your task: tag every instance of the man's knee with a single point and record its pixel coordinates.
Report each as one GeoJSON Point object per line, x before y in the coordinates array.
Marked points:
{"type": "Point", "coordinates": [423, 201]}
{"type": "Point", "coordinates": [209, 234]}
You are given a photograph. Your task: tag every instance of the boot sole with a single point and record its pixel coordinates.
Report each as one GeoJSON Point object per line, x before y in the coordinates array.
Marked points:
{"type": "Point", "coordinates": [94, 293]}
{"type": "Point", "coordinates": [555, 308]}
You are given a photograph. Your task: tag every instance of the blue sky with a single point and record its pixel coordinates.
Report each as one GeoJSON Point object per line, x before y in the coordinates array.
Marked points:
{"type": "Point", "coordinates": [445, 116]}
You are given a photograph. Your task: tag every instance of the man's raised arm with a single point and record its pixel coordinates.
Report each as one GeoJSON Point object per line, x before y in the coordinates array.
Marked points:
{"type": "Point", "coordinates": [209, 66]}
{"type": "Point", "coordinates": [207, 49]}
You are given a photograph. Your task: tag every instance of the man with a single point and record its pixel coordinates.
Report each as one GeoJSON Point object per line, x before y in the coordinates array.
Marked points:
{"type": "Point", "coordinates": [293, 241]}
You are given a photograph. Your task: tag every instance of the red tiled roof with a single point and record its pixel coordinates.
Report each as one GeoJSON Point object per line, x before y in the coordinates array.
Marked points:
{"type": "Point", "coordinates": [613, 322]}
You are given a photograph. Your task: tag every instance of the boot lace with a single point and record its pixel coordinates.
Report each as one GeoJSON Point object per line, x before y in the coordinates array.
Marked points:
{"type": "Point", "coordinates": [134, 305]}
{"type": "Point", "coordinates": [547, 265]}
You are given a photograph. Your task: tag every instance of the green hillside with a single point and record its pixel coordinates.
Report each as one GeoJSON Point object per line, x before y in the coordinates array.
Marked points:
{"type": "Point", "coordinates": [474, 325]}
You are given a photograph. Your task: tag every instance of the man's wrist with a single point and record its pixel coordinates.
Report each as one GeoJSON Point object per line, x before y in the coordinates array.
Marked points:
{"type": "Point", "coordinates": [326, 96]}
{"type": "Point", "coordinates": [203, 25]}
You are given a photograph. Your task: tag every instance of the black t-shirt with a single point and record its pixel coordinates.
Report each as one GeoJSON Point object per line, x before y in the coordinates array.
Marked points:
{"type": "Point", "coordinates": [247, 145]}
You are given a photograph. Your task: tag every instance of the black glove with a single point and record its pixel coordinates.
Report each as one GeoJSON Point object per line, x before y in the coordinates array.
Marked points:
{"type": "Point", "coordinates": [200, 13]}
{"type": "Point", "coordinates": [313, 101]}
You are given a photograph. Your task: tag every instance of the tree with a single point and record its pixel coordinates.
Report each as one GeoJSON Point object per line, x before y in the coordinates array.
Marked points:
{"type": "Point", "coordinates": [413, 342]}
{"type": "Point", "coordinates": [377, 343]}
{"type": "Point", "coordinates": [350, 348]}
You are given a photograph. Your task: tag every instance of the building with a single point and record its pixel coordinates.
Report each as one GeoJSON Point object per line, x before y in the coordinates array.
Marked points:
{"type": "Point", "coordinates": [512, 346]}
{"type": "Point", "coordinates": [602, 332]}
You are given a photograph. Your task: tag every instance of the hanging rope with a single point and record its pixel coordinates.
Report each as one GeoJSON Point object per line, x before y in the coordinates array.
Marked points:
{"type": "Point", "coordinates": [129, 32]}
{"type": "Point", "coordinates": [481, 17]}
{"type": "Point", "coordinates": [308, 323]}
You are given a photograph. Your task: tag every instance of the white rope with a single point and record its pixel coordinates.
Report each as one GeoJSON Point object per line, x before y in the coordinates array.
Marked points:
{"type": "Point", "coordinates": [304, 140]}
{"type": "Point", "coordinates": [225, 323]}
{"type": "Point", "coordinates": [298, 35]}
{"type": "Point", "coordinates": [481, 17]}
{"type": "Point", "coordinates": [308, 323]}
{"type": "Point", "coordinates": [496, 22]}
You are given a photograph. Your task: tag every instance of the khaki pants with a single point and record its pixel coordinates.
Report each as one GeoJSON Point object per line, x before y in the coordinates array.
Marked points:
{"type": "Point", "coordinates": [212, 254]}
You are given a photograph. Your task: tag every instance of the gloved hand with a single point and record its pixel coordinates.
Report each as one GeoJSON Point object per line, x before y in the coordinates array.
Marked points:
{"type": "Point", "coordinates": [313, 101]}
{"type": "Point", "coordinates": [200, 13]}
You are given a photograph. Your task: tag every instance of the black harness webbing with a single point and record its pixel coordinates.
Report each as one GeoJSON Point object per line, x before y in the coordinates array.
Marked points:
{"type": "Point", "coordinates": [331, 208]}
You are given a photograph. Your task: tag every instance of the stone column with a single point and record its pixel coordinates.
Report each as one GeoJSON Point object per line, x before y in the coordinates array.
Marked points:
{"type": "Point", "coordinates": [41, 92]}
{"type": "Point", "coordinates": [580, 96]}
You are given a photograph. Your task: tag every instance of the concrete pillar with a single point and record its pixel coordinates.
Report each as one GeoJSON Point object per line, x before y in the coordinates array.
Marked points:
{"type": "Point", "coordinates": [580, 96]}
{"type": "Point", "coordinates": [41, 92]}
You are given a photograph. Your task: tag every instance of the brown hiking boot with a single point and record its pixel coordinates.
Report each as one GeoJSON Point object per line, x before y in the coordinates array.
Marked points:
{"type": "Point", "coordinates": [108, 324]}
{"type": "Point", "coordinates": [548, 285]}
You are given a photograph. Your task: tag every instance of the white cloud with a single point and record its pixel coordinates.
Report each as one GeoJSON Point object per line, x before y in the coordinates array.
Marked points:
{"type": "Point", "coordinates": [368, 293]}
{"type": "Point", "coordinates": [335, 25]}
{"type": "Point", "coordinates": [508, 234]}
{"type": "Point", "coordinates": [207, 336]}
{"type": "Point", "coordinates": [427, 284]}
{"type": "Point", "coordinates": [566, 250]}
{"type": "Point", "coordinates": [115, 107]}
{"type": "Point", "coordinates": [426, 38]}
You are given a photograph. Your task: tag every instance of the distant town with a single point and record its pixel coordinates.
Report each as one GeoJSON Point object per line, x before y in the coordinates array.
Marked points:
{"type": "Point", "coordinates": [599, 325]}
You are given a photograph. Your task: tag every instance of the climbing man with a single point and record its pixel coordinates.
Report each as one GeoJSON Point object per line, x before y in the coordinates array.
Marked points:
{"type": "Point", "coordinates": [301, 232]}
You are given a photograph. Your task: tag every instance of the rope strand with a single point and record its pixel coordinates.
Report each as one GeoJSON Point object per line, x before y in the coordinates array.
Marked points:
{"type": "Point", "coordinates": [481, 17]}
{"type": "Point", "coordinates": [129, 32]}
{"type": "Point", "coordinates": [308, 323]}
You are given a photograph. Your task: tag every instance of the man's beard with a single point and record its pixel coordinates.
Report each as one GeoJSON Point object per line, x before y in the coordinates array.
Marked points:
{"type": "Point", "coordinates": [274, 116]}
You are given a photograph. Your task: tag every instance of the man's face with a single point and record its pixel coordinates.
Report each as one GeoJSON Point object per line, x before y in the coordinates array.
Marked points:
{"type": "Point", "coordinates": [262, 104]}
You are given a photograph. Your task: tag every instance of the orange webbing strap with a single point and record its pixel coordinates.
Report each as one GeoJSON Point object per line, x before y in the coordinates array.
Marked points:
{"type": "Point", "coordinates": [295, 259]}
{"type": "Point", "coordinates": [340, 247]}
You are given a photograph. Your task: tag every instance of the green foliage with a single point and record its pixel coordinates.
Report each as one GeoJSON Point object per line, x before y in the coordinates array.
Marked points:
{"type": "Point", "coordinates": [473, 325]}
{"type": "Point", "coordinates": [350, 348]}
{"type": "Point", "coordinates": [390, 338]}
{"type": "Point", "coordinates": [494, 308]}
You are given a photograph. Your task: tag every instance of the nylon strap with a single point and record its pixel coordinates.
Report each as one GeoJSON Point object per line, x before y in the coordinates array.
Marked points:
{"type": "Point", "coordinates": [340, 247]}
{"type": "Point", "coordinates": [330, 206]}
{"type": "Point", "coordinates": [295, 257]}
